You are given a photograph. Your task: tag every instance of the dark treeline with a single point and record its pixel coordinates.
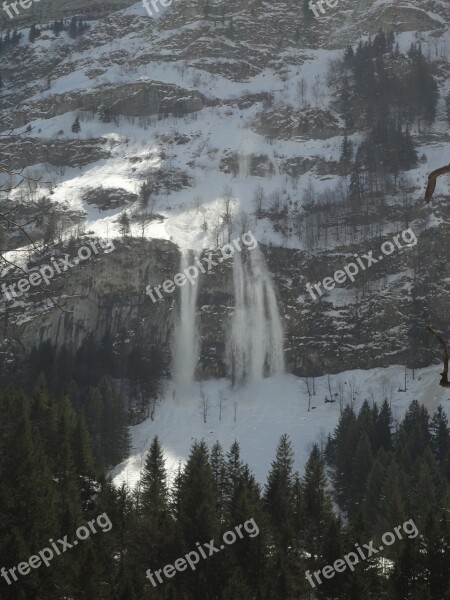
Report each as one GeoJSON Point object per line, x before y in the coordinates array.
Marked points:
{"type": "Point", "coordinates": [74, 27]}
{"type": "Point", "coordinates": [390, 97]}
{"type": "Point", "coordinates": [9, 40]}
{"type": "Point", "coordinates": [383, 476]}
{"type": "Point", "coordinates": [383, 92]}
{"type": "Point", "coordinates": [98, 380]}
{"type": "Point", "coordinates": [378, 475]}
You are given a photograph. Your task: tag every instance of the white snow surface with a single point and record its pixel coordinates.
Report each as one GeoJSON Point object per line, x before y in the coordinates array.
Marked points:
{"type": "Point", "coordinates": [266, 410]}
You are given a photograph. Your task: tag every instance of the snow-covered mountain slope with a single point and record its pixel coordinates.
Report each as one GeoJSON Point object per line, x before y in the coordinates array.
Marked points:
{"type": "Point", "coordinates": [213, 104]}
{"type": "Point", "coordinates": [258, 414]}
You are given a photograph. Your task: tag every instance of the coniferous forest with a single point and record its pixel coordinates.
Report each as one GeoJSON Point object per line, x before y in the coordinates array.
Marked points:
{"type": "Point", "coordinates": [58, 441]}
{"type": "Point", "coordinates": [142, 424]}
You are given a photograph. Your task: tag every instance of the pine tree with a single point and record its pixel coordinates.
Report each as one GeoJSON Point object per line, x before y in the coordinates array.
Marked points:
{"type": "Point", "coordinates": [44, 417]}
{"type": "Point", "coordinates": [198, 518]}
{"type": "Point", "coordinates": [316, 502]}
{"type": "Point", "coordinates": [332, 548]}
{"type": "Point", "coordinates": [278, 495]}
{"type": "Point", "coordinates": [434, 553]}
{"type": "Point", "coordinates": [68, 480]}
{"type": "Point", "coordinates": [115, 433]}
{"type": "Point", "coordinates": [175, 492]}
{"type": "Point", "coordinates": [234, 470]}
{"type": "Point", "coordinates": [145, 193]}
{"type": "Point", "coordinates": [220, 474]}
{"type": "Point", "coordinates": [383, 427]}
{"type": "Point", "coordinates": [375, 482]}
{"type": "Point", "coordinates": [124, 224]}
{"type": "Point", "coordinates": [245, 506]}
{"type": "Point", "coordinates": [346, 153]}
{"type": "Point", "coordinates": [361, 469]}
{"type": "Point", "coordinates": [393, 495]}
{"type": "Point", "coordinates": [154, 492]}
{"type": "Point", "coordinates": [34, 33]}
{"type": "Point", "coordinates": [76, 125]}
{"type": "Point", "coordinates": [414, 435]}
{"type": "Point", "coordinates": [83, 460]}
{"type": "Point", "coordinates": [425, 485]}
{"type": "Point", "coordinates": [349, 56]}
{"type": "Point", "coordinates": [103, 114]}
{"type": "Point", "coordinates": [73, 31]}
{"type": "Point", "coordinates": [356, 187]}
{"type": "Point", "coordinates": [366, 422]}
{"type": "Point", "coordinates": [345, 441]}
{"type": "Point", "coordinates": [28, 493]}
{"type": "Point", "coordinates": [345, 104]}
{"type": "Point", "coordinates": [440, 436]}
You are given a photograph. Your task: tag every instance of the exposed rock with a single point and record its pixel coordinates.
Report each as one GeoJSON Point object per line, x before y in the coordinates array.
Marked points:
{"type": "Point", "coordinates": [134, 99]}
{"type": "Point", "coordinates": [287, 123]}
{"type": "Point", "coordinates": [25, 151]}
{"type": "Point", "coordinates": [108, 198]}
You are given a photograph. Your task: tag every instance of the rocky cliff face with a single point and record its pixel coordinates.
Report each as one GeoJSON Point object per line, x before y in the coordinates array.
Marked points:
{"type": "Point", "coordinates": [203, 96]}
{"type": "Point", "coordinates": [104, 294]}
{"type": "Point", "coordinates": [381, 325]}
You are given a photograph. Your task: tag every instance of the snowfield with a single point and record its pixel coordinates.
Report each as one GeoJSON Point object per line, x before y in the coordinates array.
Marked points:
{"type": "Point", "coordinates": [267, 409]}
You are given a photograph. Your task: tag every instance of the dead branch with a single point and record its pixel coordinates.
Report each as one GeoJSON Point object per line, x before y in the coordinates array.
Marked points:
{"type": "Point", "coordinates": [432, 177]}
{"type": "Point", "coordinates": [444, 382]}
{"type": "Point", "coordinates": [6, 221]}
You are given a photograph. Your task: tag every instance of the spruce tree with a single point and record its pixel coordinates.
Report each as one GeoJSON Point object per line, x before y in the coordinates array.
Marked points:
{"type": "Point", "coordinates": [83, 459]}
{"type": "Point", "coordinates": [220, 474]}
{"type": "Point", "coordinates": [154, 500]}
{"type": "Point", "coordinates": [356, 187]}
{"type": "Point", "coordinates": [317, 504]}
{"type": "Point", "coordinates": [76, 125]}
{"type": "Point", "coordinates": [124, 224]}
{"type": "Point", "coordinates": [361, 469]}
{"type": "Point", "coordinates": [33, 33]}
{"type": "Point", "coordinates": [278, 494]}
{"type": "Point", "coordinates": [383, 427]}
{"type": "Point", "coordinates": [346, 153]}
{"type": "Point", "coordinates": [198, 518]}
{"type": "Point", "coordinates": [73, 31]}
{"type": "Point", "coordinates": [440, 436]}
{"type": "Point", "coordinates": [234, 470]}
{"type": "Point", "coordinates": [103, 114]}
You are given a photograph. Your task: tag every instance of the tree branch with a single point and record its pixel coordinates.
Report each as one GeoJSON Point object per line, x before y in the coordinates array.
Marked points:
{"type": "Point", "coordinates": [444, 382]}
{"type": "Point", "coordinates": [432, 177]}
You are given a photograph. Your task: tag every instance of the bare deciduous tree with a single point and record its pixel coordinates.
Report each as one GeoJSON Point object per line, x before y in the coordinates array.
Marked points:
{"type": "Point", "coordinates": [9, 223]}
{"type": "Point", "coordinates": [259, 199]}
{"type": "Point", "coordinates": [221, 399]}
{"type": "Point", "coordinates": [204, 402]}
{"type": "Point", "coordinates": [308, 386]}
{"type": "Point", "coordinates": [228, 210]}
{"type": "Point", "coordinates": [341, 396]}
{"type": "Point", "coordinates": [302, 88]}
